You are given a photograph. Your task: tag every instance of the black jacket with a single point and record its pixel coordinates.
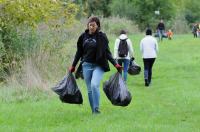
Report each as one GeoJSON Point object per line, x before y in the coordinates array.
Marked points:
{"type": "Point", "coordinates": [161, 26]}
{"type": "Point", "coordinates": [103, 53]}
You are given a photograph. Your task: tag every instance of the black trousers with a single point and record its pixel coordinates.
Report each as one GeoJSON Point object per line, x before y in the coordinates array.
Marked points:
{"type": "Point", "coordinates": [195, 34]}
{"type": "Point", "coordinates": [148, 64]}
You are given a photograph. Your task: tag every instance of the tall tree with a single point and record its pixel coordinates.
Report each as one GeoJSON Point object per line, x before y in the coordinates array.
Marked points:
{"type": "Point", "coordinates": [99, 7]}
{"type": "Point", "coordinates": [192, 11]}
{"type": "Point", "coordinates": [146, 14]}
{"type": "Point", "coordinates": [124, 8]}
{"type": "Point", "coordinates": [95, 7]}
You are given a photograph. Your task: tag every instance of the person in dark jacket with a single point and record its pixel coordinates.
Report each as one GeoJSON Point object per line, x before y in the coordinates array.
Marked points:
{"type": "Point", "coordinates": [94, 51]}
{"type": "Point", "coordinates": [194, 30]}
{"type": "Point", "coordinates": [161, 29]}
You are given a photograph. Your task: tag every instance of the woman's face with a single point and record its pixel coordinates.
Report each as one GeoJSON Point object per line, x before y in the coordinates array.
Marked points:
{"type": "Point", "coordinates": [92, 26]}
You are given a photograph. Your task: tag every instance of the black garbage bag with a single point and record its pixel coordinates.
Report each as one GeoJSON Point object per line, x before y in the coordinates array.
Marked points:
{"type": "Point", "coordinates": [164, 35]}
{"type": "Point", "coordinates": [156, 35]}
{"type": "Point", "coordinates": [134, 68]}
{"type": "Point", "coordinates": [116, 90]}
{"type": "Point", "coordinates": [68, 90]}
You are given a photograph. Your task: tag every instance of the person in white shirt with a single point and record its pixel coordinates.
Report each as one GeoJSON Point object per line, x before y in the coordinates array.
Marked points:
{"type": "Point", "coordinates": [149, 49]}
{"type": "Point", "coordinates": [123, 52]}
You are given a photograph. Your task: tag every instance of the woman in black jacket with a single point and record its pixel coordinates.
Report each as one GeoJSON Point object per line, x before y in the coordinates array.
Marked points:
{"type": "Point", "coordinates": [93, 50]}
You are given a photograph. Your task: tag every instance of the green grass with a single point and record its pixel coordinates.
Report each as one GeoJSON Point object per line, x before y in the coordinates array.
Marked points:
{"type": "Point", "coordinates": [170, 104]}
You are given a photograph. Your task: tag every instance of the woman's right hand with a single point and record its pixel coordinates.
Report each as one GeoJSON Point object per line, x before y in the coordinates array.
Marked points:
{"type": "Point", "coordinates": [118, 67]}
{"type": "Point", "coordinates": [72, 69]}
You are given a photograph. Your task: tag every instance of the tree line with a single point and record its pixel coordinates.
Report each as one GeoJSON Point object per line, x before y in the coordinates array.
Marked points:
{"type": "Point", "coordinates": [143, 12]}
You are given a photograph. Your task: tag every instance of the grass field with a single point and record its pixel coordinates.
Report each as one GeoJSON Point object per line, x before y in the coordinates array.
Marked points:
{"type": "Point", "coordinates": [170, 104]}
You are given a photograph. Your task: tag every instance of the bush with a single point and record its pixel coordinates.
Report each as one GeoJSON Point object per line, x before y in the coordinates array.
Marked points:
{"type": "Point", "coordinates": [113, 25]}
{"type": "Point", "coordinates": [45, 53]}
{"type": "Point", "coordinates": [179, 25]}
{"type": "Point", "coordinates": [14, 45]}
{"type": "Point", "coordinates": [2, 65]}
{"type": "Point", "coordinates": [19, 19]}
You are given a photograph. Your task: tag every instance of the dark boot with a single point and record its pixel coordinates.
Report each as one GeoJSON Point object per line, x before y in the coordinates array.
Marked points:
{"type": "Point", "coordinates": [96, 111]}
{"type": "Point", "coordinates": [146, 82]}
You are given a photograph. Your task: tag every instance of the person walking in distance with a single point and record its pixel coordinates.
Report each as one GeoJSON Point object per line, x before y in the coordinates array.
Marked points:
{"type": "Point", "coordinates": [123, 52]}
{"type": "Point", "coordinates": [149, 49]}
{"type": "Point", "coordinates": [93, 50]}
{"type": "Point", "coordinates": [194, 30]}
{"type": "Point", "coordinates": [161, 29]}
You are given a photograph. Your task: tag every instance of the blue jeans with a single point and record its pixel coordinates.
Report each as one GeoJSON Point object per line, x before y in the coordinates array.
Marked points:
{"type": "Point", "coordinates": [92, 75]}
{"type": "Point", "coordinates": [125, 63]}
{"type": "Point", "coordinates": [161, 34]}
